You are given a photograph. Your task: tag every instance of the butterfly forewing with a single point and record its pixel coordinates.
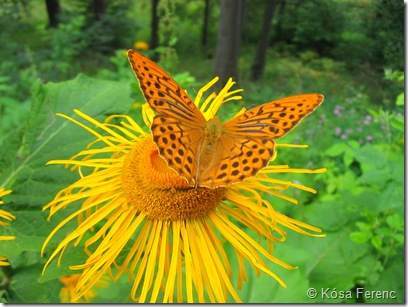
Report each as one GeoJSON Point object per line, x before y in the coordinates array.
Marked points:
{"type": "Point", "coordinates": [273, 119]}
{"type": "Point", "coordinates": [178, 126]}
{"type": "Point", "coordinates": [162, 92]}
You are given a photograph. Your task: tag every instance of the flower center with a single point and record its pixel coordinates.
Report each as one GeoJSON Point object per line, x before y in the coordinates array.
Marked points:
{"type": "Point", "coordinates": [158, 191]}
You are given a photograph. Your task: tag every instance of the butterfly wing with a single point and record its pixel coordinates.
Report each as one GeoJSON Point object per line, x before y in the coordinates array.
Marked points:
{"type": "Point", "coordinates": [177, 143]}
{"type": "Point", "coordinates": [246, 144]}
{"type": "Point", "coordinates": [162, 92]}
{"type": "Point", "coordinates": [274, 119]}
{"type": "Point", "coordinates": [235, 159]}
{"type": "Point", "coordinates": [178, 126]}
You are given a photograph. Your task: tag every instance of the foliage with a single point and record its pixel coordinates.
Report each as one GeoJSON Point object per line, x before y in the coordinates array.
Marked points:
{"type": "Point", "coordinates": [365, 184]}
{"type": "Point", "coordinates": [357, 134]}
{"type": "Point", "coordinates": [79, 44]}
{"type": "Point", "coordinates": [66, 44]}
{"type": "Point", "coordinates": [12, 112]}
{"type": "Point", "coordinates": [105, 32]}
{"type": "Point", "coordinates": [23, 167]}
{"type": "Point", "coordinates": [366, 36]}
{"type": "Point", "coordinates": [318, 24]}
{"type": "Point", "coordinates": [311, 25]}
{"type": "Point", "coordinates": [386, 26]}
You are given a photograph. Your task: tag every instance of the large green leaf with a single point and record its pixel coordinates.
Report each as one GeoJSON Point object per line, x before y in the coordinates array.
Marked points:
{"type": "Point", "coordinates": [25, 288]}
{"type": "Point", "coordinates": [23, 170]}
{"type": "Point", "coordinates": [389, 288]}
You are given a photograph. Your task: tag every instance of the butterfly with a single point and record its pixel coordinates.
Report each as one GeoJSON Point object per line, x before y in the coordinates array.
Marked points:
{"type": "Point", "coordinates": [211, 153]}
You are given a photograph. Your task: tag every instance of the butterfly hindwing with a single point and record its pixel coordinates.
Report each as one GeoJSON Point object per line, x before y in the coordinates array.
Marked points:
{"type": "Point", "coordinates": [235, 159]}
{"type": "Point", "coordinates": [177, 143]}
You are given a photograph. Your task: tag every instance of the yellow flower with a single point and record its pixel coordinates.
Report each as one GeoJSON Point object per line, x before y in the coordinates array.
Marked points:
{"type": "Point", "coordinates": [141, 45]}
{"type": "Point", "coordinates": [9, 217]}
{"type": "Point", "coordinates": [174, 235]}
{"type": "Point", "coordinates": [68, 291]}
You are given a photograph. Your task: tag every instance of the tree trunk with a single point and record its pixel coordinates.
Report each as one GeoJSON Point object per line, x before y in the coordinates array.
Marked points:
{"type": "Point", "coordinates": [98, 8]}
{"type": "Point", "coordinates": [228, 40]}
{"type": "Point", "coordinates": [258, 65]}
{"type": "Point", "coordinates": [280, 17]}
{"type": "Point", "coordinates": [154, 36]}
{"type": "Point", "coordinates": [53, 9]}
{"type": "Point", "coordinates": [204, 33]}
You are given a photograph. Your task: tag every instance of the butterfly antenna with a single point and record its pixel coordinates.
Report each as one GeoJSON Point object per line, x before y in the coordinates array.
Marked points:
{"type": "Point", "coordinates": [193, 89]}
{"type": "Point", "coordinates": [220, 116]}
{"type": "Point", "coordinates": [231, 112]}
{"type": "Point", "coordinates": [248, 108]}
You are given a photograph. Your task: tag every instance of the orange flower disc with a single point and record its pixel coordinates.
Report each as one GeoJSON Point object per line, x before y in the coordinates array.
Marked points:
{"type": "Point", "coordinates": [158, 191]}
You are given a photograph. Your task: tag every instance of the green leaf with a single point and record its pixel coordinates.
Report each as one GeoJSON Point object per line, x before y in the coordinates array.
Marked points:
{"type": "Point", "coordinates": [398, 123]}
{"type": "Point", "coordinates": [361, 199]}
{"type": "Point", "coordinates": [8, 150]}
{"type": "Point", "coordinates": [376, 177]}
{"type": "Point", "coordinates": [173, 41]}
{"type": "Point", "coordinates": [25, 288]}
{"type": "Point", "coordinates": [117, 292]}
{"type": "Point", "coordinates": [385, 231]}
{"type": "Point", "coordinates": [48, 137]}
{"type": "Point", "coordinates": [373, 112]}
{"type": "Point", "coordinates": [399, 238]}
{"type": "Point", "coordinates": [336, 150]}
{"type": "Point", "coordinates": [264, 289]}
{"type": "Point", "coordinates": [370, 158]}
{"type": "Point", "coordinates": [330, 215]}
{"type": "Point", "coordinates": [353, 144]}
{"type": "Point", "coordinates": [331, 253]}
{"type": "Point", "coordinates": [360, 237]}
{"type": "Point", "coordinates": [376, 241]}
{"type": "Point", "coordinates": [30, 229]}
{"type": "Point", "coordinates": [400, 100]}
{"type": "Point", "coordinates": [363, 226]}
{"type": "Point", "coordinates": [348, 157]}
{"type": "Point", "coordinates": [72, 256]}
{"type": "Point", "coordinates": [392, 198]}
{"type": "Point", "coordinates": [369, 268]}
{"type": "Point", "coordinates": [395, 221]}
{"type": "Point", "coordinates": [391, 279]}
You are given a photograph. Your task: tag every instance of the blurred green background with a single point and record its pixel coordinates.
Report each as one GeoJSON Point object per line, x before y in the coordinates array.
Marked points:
{"type": "Point", "coordinates": [352, 51]}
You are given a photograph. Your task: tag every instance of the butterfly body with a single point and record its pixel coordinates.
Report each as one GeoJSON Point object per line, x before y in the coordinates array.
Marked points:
{"type": "Point", "coordinates": [213, 131]}
{"type": "Point", "coordinates": [211, 153]}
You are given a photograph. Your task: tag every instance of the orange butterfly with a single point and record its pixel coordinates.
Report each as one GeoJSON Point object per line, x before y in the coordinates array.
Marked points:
{"type": "Point", "coordinates": [209, 153]}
